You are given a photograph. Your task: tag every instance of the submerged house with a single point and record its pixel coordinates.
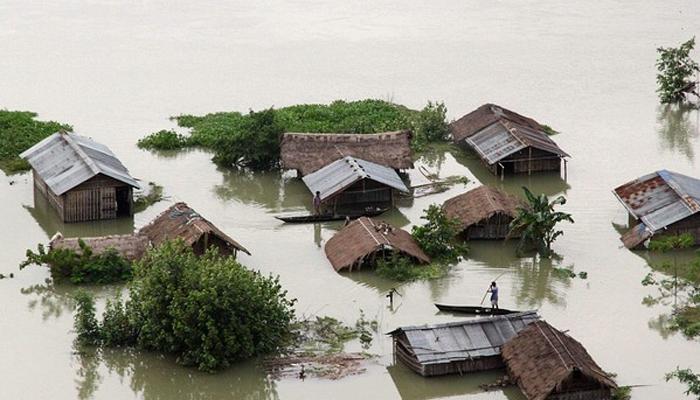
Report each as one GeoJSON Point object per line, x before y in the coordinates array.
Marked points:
{"type": "Point", "coordinates": [353, 183]}
{"type": "Point", "coordinates": [131, 247]}
{"type": "Point", "coordinates": [182, 222]}
{"type": "Point", "coordinates": [360, 243]}
{"type": "Point", "coordinates": [82, 179]}
{"type": "Point", "coordinates": [548, 364]}
{"type": "Point", "coordinates": [471, 345]}
{"type": "Point", "coordinates": [660, 203]}
{"type": "Point", "coordinates": [507, 142]}
{"type": "Point", "coordinates": [485, 212]}
{"type": "Point", "coordinates": [309, 152]}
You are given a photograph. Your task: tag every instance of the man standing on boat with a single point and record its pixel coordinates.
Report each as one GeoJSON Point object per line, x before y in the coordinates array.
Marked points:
{"type": "Point", "coordinates": [317, 203]}
{"type": "Point", "coordinates": [494, 295]}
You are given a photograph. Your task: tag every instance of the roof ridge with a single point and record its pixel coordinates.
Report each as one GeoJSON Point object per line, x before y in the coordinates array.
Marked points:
{"type": "Point", "coordinates": [689, 201]}
{"type": "Point", "coordinates": [83, 156]}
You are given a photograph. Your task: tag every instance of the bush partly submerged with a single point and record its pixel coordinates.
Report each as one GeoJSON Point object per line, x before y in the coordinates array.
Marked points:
{"type": "Point", "coordinates": [208, 311]}
{"type": "Point", "coordinates": [403, 269]}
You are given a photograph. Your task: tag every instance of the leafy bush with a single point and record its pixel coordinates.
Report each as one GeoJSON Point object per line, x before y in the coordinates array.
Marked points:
{"type": "Point", "coordinates": [163, 140]}
{"type": "Point", "coordinates": [84, 321]}
{"type": "Point", "coordinates": [226, 132]}
{"type": "Point", "coordinates": [536, 223]}
{"type": "Point", "coordinates": [676, 70]}
{"type": "Point", "coordinates": [437, 237]}
{"type": "Point", "coordinates": [209, 311]}
{"type": "Point", "coordinates": [255, 145]}
{"type": "Point", "coordinates": [687, 377]}
{"type": "Point", "coordinates": [19, 130]}
{"type": "Point", "coordinates": [82, 266]}
{"type": "Point", "coordinates": [402, 269]}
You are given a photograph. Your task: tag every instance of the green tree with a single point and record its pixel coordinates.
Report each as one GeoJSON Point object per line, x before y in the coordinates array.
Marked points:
{"type": "Point", "coordinates": [430, 124]}
{"type": "Point", "coordinates": [437, 236]}
{"type": "Point", "coordinates": [536, 222]}
{"type": "Point", "coordinates": [255, 145]}
{"type": "Point", "coordinates": [687, 377]}
{"type": "Point", "coordinates": [676, 70]}
{"type": "Point", "coordinates": [208, 311]}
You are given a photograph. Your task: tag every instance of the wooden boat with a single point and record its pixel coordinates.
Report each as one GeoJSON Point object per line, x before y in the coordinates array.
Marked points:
{"type": "Point", "coordinates": [305, 219]}
{"type": "Point", "coordinates": [476, 310]}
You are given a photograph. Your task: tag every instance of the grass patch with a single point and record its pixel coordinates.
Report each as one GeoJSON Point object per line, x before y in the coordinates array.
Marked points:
{"type": "Point", "coordinates": [210, 131]}
{"type": "Point", "coordinates": [402, 269]}
{"type": "Point", "coordinates": [19, 130]}
{"type": "Point", "coordinates": [145, 200]}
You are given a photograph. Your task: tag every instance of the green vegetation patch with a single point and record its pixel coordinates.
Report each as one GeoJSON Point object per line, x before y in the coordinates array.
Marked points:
{"type": "Point", "coordinates": [438, 235]}
{"type": "Point", "coordinates": [19, 130]}
{"type": "Point", "coordinates": [403, 269]}
{"type": "Point", "coordinates": [81, 267]}
{"type": "Point", "coordinates": [208, 311]}
{"type": "Point", "coordinates": [252, 139]}
{"type": "Point", "coordinates": [145, 200]}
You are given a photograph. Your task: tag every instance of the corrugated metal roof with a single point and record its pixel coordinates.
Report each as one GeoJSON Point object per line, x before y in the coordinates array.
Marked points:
{"type": "Point", "coordinates": [469, 339]}
{"type": "Point", "coordinates": [661, 198]}
{"type": "Point", "coordinates": [340, 174]}
{"type": "Point", "coordinates": [503, 138]}
{"type": "Point", "coordinates": [65, 160]}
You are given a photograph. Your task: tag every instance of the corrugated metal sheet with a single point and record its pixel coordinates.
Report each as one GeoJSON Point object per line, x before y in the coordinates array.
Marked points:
{"type": "Point", "coordinates": [503, 138]}
{"type": "Point", "coordinates": [473, 338]}
{"type": "Point", "coordinates": [342, 173]}
{"type": "Point", "coordinates": [64, 161]}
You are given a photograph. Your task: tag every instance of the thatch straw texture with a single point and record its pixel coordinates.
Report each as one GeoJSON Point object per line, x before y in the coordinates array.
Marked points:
{"type": "Point", "coordinates": [363, 237]}
{"type": "Point", "coordinates": [484, 116]}
{"type": "Point", "coordinates": [309, 152]}
{"type": "Point", "coordinates": [545, 361]}
{"type": "Point", "coordinates": [481, 204]}
{"type": "Point", "coordinates": [131, 247]}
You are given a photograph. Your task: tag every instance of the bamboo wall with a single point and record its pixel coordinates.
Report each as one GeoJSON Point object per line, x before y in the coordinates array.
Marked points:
{"type": "Point", "coordinates": [496, 227]}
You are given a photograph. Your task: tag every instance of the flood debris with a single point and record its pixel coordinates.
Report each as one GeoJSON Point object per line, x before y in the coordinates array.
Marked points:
{"type": "Point", "coordinates": [148, 197]}
{"type": "Point", "coordinates": [498, 384]}
{"type": "Point", "coordinates": [326, 366]}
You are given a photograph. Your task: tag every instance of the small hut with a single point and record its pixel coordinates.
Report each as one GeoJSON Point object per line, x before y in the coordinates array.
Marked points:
{"type": "Point", "coordinates": [472, 345]}
{"type": "Point", "coordinates": [352, 183]}
{"type": "Point", "coordinates": [507, 142]}
{"type": "Point", "coordinates": [82, 179]}
{"type": "Point", "coordinates": [131, 247]}
{"type": "Point", "coordinates": [660, 203]}
{"type": "Point", "coordinates": [363, 240]}
{"type": "Point", "coordinates": [548, 364]}
{"type": "Point", "coordinates": [485, 212]}
{"type": "Point", "coordinates": [182, 222]}
{"type": "Point", "coordinates": [309, 152]}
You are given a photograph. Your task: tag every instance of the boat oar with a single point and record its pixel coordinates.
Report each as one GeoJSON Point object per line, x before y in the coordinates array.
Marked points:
{"type": "Point", "coordinates": [487, 290]}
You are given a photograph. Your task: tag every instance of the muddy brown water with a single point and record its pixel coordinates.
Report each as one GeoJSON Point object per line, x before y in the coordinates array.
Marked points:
{"type": "Point", "coordinates": [116, 71]}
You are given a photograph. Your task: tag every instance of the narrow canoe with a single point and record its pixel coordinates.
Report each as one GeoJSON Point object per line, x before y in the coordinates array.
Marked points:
{"type": "Point", "coordinates": [477, 310]}
{"type": "Point", "coordinates": [304, 219]}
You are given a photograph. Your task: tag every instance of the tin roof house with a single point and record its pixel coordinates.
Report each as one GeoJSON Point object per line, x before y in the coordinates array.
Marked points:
{"type": "Point", "coordinates": [82, 179]}
{"type": "Point", "coordinates": [660, 203]}
{"type": "Point", "coordinates": [507, 142]}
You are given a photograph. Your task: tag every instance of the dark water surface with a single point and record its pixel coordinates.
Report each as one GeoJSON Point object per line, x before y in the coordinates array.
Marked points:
{"type": "Point", "coordinates": [118, 70]}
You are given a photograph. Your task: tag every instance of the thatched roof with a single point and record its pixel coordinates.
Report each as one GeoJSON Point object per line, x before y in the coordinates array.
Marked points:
{"type": "Point", "coordinates": [365, 236]}
{"type": "Point", "coordinates": [132, 247]}
{"type": "Point", "coordinates": [541, 358]}
{"type": "Point", "coordinates": [181, 221]}
{"type": "Point", "coordinates": [309, 152]}
{"type": "Point", "coordinates": [480, 204]}
{"type": "Point", "coordinates": [486, 115]}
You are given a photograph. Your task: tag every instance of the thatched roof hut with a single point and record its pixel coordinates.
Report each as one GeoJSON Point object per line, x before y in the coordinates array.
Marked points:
{"type": "Point", "coordinates": [471, 345]}
{"type": "Point", "coordinates": [181, 221]}
{"type": "Point", "coordinates": [132, 247]}
{"type": "Point", "coordinates": [664, 203]}
{"type": "Point", "coordinates": [82, 179]}
{"type": "Point", "coordinates": [309, 152]}
{"type": "Point", "coordinates": [361, 241]}
{"type": "Point", "coordinates": [549, 364]}
{"type": "Point", "coordinates": [485, 212]}
{"type": "Point", "coordinates": [507, 141]}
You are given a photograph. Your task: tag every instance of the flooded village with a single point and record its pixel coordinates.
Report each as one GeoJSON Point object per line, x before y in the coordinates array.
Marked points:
{"type": "Point", "coordinates": [253, 201]}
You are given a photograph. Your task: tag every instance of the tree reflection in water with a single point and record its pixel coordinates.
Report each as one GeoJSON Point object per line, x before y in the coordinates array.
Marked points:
{"type": "Point", "coordinates": [539, 282]}
{"type": "Point", "coordinates": [54, 299]}
{"type": "Point", "coordinates": [678, 128]}
{"type": "Point", "coordinates": [153, 377]}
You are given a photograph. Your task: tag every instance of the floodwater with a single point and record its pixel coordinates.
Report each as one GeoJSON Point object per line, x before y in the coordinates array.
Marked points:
{"type": "Point", "coordinates": [118, 70]}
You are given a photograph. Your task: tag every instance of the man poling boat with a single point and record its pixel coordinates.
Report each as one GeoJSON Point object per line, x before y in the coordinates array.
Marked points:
{"type": "Point", "coordinates": [493, 289]}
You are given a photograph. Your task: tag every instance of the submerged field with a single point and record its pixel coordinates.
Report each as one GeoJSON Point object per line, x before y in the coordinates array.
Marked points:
{"type": "Point", "coordinates": [118, 72]}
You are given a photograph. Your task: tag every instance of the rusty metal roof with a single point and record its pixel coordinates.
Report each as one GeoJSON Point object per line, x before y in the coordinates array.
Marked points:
{"type": "Point", "coordinates": [65, 160]}
{"type": "Point", "coordinates": [503, 138]}
{"type": "Point", "coordinates": [661, 198]}
{"type": "Point", "coordinates": [469, 339]}
{"type": "Point", "coordinates": [340, 174]}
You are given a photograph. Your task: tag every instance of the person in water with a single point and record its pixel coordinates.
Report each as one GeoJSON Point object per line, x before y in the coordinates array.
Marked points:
{"type": "Point", "coordinates": [493, 289]}
{"type": "Point", "coordinates": [317, 203]}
